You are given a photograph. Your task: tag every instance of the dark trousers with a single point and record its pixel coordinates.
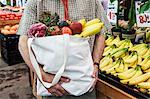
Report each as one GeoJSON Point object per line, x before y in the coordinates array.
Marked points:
{"type": "Point", "coordinates": [88, 95]}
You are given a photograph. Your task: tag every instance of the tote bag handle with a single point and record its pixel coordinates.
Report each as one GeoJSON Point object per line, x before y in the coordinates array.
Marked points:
{"type": "Point", "coordinates": [36, 65]}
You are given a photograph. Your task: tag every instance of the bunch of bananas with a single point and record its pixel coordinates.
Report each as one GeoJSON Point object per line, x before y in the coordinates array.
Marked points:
{"type": "Point", "coordinates": [109, 49]}
{"type": "Point", "coordinates": [130, 63]}
{"type": "Point", "coordinates": [143, 50]}
{"type": "Point", "coordinates": [113, 68]}
{"type": "Point", "coordinates": [119, 43]}
{"type": "Point", "coordinates": [91, 27]}
{"type": "Point", "coordinates": [109, 40]}
{"type": "Point", "coordinates": [132, 59]}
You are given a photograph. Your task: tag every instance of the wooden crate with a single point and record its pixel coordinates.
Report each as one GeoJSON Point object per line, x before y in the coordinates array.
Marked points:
{"type": "Point", "coordinates": [110, 91]}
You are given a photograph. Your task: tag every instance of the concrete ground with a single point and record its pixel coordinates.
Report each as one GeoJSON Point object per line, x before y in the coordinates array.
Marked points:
{"type": "Point", "coordinates": [14, 81]}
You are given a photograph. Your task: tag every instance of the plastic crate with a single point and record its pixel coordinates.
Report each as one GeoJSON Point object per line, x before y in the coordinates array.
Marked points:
{"type": "Point", "coordinates": [9, 49]}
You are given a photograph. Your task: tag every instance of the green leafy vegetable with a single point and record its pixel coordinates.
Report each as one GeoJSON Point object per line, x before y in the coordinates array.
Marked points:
{"type": "Point", "coordinates": [132, 15]}
{"type": "Point", "coordinates": [145, 6]}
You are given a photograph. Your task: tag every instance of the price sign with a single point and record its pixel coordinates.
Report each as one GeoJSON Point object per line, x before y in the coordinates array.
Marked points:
{"type": "Point", "coordinates": [143, 19]}
{"type": "Point", "coordinates": [4, 2]}
{"type": "Point", "coordinates": [111, 12]}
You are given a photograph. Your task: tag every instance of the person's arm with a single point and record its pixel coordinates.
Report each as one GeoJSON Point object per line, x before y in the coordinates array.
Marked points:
{"type": "Point", "coordinates": [98, 48]}
{"type": "Point", "coordinates": [29, 18]}
{"type": "Point", "coordinates": [100, 39]}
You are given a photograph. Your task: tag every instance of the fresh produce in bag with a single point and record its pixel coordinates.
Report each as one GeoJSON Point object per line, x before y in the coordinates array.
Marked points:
{"type": "Point", "coordinates": [57, 47]}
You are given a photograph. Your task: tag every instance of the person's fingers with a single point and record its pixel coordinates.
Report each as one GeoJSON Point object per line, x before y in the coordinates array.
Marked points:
{"type": "Point", "coordinates": [63, 90]}
{"type": "Point", "coordinates": [93, 86]}
{"type": "Point", "coordinates": [60, 89]}
{"type": "Point", "coordinates": [95, 72]}
{"type": "Point", "coordinates": [64, 79]}
{"type": "Point", "coordinates": [47, 77]}
{"type": "Point", "coordinates": [55, 92]}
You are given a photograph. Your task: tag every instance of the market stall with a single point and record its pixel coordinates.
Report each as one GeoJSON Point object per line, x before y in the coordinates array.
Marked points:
{"type": "Point", "coordinates": [124, 68]}
{"type": "Point", "coordinates": [9, 20]}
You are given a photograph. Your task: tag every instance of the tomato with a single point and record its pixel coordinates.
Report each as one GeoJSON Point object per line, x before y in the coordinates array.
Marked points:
{"type": "Point", "coordinates": [3, 16]}
{"type": "Point", "coordinates": [66, 30]}
{"type": "Point", "coordinates": [12, 15]}
{"type": "Point", "coordinates": [6, 18]}
{"type": "Point", "coordinates": [19, 17]}
{"type": "Point", "coordinates": [11, 18]}
{"type": "Point", "coordinates": [16, 18]}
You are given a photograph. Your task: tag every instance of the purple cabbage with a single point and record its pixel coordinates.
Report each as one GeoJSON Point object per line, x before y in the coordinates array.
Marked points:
{"type": "Point", "coordinates": [37, 30]}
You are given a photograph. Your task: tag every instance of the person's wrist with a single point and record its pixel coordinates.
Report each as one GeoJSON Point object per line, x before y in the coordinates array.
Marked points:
{"type": "Point", "coordinates": [96, 64]}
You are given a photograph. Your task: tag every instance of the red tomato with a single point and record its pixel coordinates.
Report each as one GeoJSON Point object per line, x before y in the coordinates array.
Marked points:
{"type": "Point", "coordinates": [6, 18]}
{"type": "Point", "coordinates": [19, 17]}
{"type": "Point", "coordinates": [11, 18]}
{"type": "Point", "coordinates": [66, 30]}
{"type": "Point", "coordinates": [16, 18]}
{"type": "Point", "coordinates": [3, 16]}
{"type": "Point", "coordinates": [12, 15]}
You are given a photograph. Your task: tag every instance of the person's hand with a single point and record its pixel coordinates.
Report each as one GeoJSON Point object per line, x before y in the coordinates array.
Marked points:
{"type": "Point", "coordinates": [56, 90]}
{"type": "Point", "coordinates": [48, 77]}
{"type": "Point", "coordinates": [94, 75]}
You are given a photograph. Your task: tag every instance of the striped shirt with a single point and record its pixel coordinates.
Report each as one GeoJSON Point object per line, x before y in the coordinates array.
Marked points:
{"type": "Point", "coordinates": [78, 9]}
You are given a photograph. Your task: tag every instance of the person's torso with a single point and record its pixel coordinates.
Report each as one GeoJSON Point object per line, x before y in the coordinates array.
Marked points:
{"type": "Point", "coordinates": [78, 9]}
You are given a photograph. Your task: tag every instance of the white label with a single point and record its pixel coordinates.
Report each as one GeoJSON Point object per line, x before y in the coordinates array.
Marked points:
{"type": "Point", "coordinates": [18, 3]}
{"type": "Point", "coordinates": [11, 2]}
{"type": "Point", "coordinates": [4, 2]}
{"type": "Point", "coordinates": [111, 11]}
{"type": "Point", "coordinates": [24, 2]}
{"type": "Point", "coordinates": [143, 19]}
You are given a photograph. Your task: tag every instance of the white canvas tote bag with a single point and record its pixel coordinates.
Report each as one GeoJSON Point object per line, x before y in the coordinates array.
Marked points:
{"type": "Point", "coordinates": [63, 55]}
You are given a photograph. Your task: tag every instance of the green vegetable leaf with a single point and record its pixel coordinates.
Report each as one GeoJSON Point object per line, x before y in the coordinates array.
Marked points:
{"type": "Point", "coordinates": [112, 1]}
{"type": "Point", "coordinates": [132, 15]}
{"type": "Point", "coordinates": [145, 7]}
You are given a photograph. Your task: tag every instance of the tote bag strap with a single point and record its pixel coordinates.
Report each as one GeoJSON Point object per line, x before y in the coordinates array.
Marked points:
{"type": "Point", "coordinates": [36, 65]}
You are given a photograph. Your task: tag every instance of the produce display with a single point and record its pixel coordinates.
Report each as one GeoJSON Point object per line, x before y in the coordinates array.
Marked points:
{"type": "Point", "coordinates": [9, 29]}
{"type": "Point", "coordinates": [49, 25]}
{"type": "Point", "coordinates": [128, 62]}
{"type": "Point", "coordinates": [9, 19]}
{"type": "Point", "coordinates": [10, 13]}
{"type": "Point", "coordinates": [7, 15]}
{"type": "Point", "coordinates": [141, 32]}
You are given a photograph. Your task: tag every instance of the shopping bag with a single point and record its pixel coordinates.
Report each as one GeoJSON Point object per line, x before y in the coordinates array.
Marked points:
{"type": "Point", "coordinates": [62, 55]}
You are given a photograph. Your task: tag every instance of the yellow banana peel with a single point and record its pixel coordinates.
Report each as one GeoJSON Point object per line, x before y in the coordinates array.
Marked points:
{"type": "Point", "coordinates": [91, 22]}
